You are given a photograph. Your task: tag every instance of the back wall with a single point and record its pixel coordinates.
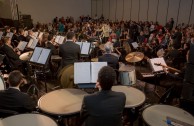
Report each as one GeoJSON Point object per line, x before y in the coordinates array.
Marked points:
{"type": "Point", "coordinates": [45, 10]}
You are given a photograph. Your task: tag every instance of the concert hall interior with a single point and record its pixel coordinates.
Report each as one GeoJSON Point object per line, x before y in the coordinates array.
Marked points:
{"type": "Point", "coordinates": [96, 62]}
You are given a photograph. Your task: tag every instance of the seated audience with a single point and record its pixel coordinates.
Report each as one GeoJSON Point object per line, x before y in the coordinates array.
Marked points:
{"type": "Point", "coordinates": [104, 108]}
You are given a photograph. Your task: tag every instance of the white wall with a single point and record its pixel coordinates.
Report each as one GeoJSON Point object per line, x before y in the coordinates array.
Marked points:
{"type": "Point", "coordinates": [45, 10]}
{"type": "Point", "coordinates": [5, 9]}
{"type": "Point", "coordinates": [147, 10]}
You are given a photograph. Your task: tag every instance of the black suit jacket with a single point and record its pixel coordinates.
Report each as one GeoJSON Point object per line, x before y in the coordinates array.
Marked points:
{"type": "Point", "coordinates": [13, 99]}
{"type": "Point", "coordinates": [177, 39]}
{"type": "Point", "coordinates": [11, 55]}
{"type": "Point", "coordinates": [110, 59]}
{"type": "Point", "coordinates": [70, 53]}
{"type": "Point", "coordinates": [104, 108]}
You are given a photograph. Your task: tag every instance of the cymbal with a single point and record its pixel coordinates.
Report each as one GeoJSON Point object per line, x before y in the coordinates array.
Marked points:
{"type": "Point", "coordinates": [134, 57]}
{"type": "Point", "coordinates": [26, 56]}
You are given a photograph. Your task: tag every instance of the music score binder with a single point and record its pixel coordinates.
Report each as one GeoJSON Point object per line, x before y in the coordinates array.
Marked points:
{"type": "Point", "coordinates": [10, 34]}
{"type": "Point", "coordinates": [40, 35]}
{"type": "Point", "coordinates": [22, 45]}
{"type": "Point", "coordinates": [40, 56]}
{"type": "Point", "coordinates": [135, 45]}
{"type": "Point", "coordinates": [157, 68]}
{"type": "Point", "coordinates": [84, 47]}
{"type": "Point", "coordinates": [32, 43]}
{"type": "Point", "coordinates": [87, 72]}
{"type": "Point", "coordinates": [59, 39]}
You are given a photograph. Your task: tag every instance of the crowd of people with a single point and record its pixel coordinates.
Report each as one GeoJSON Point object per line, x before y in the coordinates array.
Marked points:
{"type": "Point", "coordinates": [112, 42]}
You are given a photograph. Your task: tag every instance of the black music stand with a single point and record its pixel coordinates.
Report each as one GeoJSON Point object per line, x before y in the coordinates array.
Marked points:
{"type": "Point", "coordinates": [39, 59]}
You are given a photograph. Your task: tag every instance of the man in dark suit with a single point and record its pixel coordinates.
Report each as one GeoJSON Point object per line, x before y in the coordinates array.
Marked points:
{"type": "Point", "coordinates": [69, 51]}
{"type": "Point", "coordinates": [112, 60]}
{"type": "Point", "coordinates": [104, 108]}
{"type": "Point", "coordinates": [12, 98]}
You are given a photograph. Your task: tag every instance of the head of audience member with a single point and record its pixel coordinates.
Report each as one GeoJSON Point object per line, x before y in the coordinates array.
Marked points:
{"type": "Point", "coordinates": [71, 36]}
{"type": "Point", "coordinates": [7, 40]}
{"type": "Point", "coordinates": [15, 79]}
{"type": "Point", "coordinates": [106, 78]}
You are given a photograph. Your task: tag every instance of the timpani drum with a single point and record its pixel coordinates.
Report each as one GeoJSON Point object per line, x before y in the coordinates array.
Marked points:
{"type": "Point", "coordinates": [162, 115]}
{"type": "Point", "coordinates": [28, 120]}
{"type": "Point", "coordinates": [26, 56]}
{"type": "Point", "coordinates": [134, 97]}
{"type": "Point", "coordinates": [62, 102]}
{"type": "Point", "coordinates": [127, 75]}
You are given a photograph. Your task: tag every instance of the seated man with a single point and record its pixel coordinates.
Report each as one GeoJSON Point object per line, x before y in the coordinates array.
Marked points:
{"type": "Point", "coordinates": [104, 108]}
{"type": "Point", "coordinates": [13, 98]}
{"type": "Point", "coordinates": [111, 59]}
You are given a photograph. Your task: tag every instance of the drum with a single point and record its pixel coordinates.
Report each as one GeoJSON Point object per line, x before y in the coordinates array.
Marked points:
{"type": "Point", "coordinates": [28, 120]}
{"type": "Point", "coordinates": [26, 56]}
{"type": "Point", "coordinates": [127, 75]}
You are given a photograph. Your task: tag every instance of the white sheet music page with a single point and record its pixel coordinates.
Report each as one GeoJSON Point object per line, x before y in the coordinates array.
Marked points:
{"type": "Point", "coordinates": [95, 68]}
{"type": "Point", "coordinates": [44, 56]}
{"type": "Point", "coordinates": [30, 43]}
{"type": "Point", "coordinates": [36, 54]}
{"type": "Point", "coordinates": [34, 43]}
{"type": "Point", "coordinates": [40, 35]}
{"type": "Point", "coordinates": [57, 38]}
{"type": "Point", "coordinates": [80, 44]}
{"type": "Point", "coordinates": [1, 34]}
{"type": "Point", "coordinates": [85, 48]}
{"type": "Point", "coordinates": [22, 44]}
{"type": "Point", "coordinates": [82, 72]}
{"type": "Point", "coordinates": [157, 68]}
{"type": "Point", "coordinates": [135, 45]}
{"type": "Point", "coordinates": [61, 40]}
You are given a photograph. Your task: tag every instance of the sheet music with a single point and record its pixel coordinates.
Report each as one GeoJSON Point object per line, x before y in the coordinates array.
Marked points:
{"type": "Point", "coordinates": [40, 35]}
{"type": "Point", "coordinates": [44, 56]}
{"type": "Point", "coordinates": [36, 54]}
{"type": "Point", "coordinates": [35, 34]}
{"type": "Point", "coordinates": [82, 72]}
{"type": "Point", "coordinates": [158, 61]}
{"type": "Point", "coordinates": [61, 40]}
{"type": "Point", "coordinates": [57, 38]}
{"type": "Point", "coordinates": [1, 34]}
{"type": "Point", "coordinates": [85, 48]}
{"type": "Point", "coordinates": [10, 34]}
{"type": "Point", "coordinates": [80, 44]}
{"type": "Point", "coordinates": [135, 45]}
{"type": "Point", "coordinates": [32, 43]}
{"type": "Point", "coordinates": [95, 68]}
{"type": "Point", "coordinates": [22, 45]}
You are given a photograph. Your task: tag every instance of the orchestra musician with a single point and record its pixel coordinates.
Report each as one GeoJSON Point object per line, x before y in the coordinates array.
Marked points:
{"type": "Point", "coordinates": [69, 51]}
{"type": "Point", "coordinates": [50, 45]}
{"type": "Point", "coordinates": [12, 54]}
{"type": "Point", "coordinates": [21, 36]}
